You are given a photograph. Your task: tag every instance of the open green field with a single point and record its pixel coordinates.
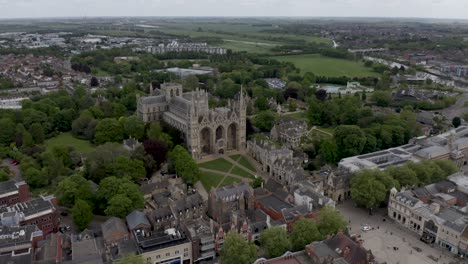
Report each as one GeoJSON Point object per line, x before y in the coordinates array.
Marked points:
{"type": "Point", "coordinates": [326, 66]}
{"type": "Point", "coordinates": [230, 180]}
{"type": "Point", "coordinates": [210, 180]}
{"type": "Point", "coordinates": [243, 161]}
{"type": "Point", "coordinates": [240, 172]}
{"type": "Point", "coordinates": [248, 47]}
{"type": "Point", "coordinates": [66, 139]}
{"type": "Point", "coordinates": [218, 164]}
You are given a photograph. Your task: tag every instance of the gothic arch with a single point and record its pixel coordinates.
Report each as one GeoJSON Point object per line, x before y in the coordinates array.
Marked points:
{"type": "Point", "coordinates": [232, 135]}
{"type": "Point", "coordinates": [219, 133]}
{"type": "Point", "coordinates": [205, 140]}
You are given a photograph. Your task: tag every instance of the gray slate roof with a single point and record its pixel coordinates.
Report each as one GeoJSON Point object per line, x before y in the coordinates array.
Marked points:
{"type": "Point", "coordinates": [136, 218]}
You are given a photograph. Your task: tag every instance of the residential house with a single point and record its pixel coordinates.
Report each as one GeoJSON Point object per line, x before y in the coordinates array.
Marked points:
{"type": "Point", "coordinates": [114, 231]}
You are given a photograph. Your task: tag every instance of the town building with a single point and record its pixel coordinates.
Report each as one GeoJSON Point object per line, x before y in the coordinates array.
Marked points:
{"type": "Point", "coordinates": [41, 211]}
{"type": "Point", "coordinates": [290, 131]}
{"type": "Point", "coordinates": [200, 232]}
{"type": "Point", "coordinates": [137, 220]}
{"type": "Point", "coordinates": [339, 249]}
{"type": "Point", "coordinates": [277, 161]}
{"type": "Point", "coordinates": [170, 246]}
{"type": "Point", "coordinates": [207, 131]}
{"type": "Point", "coordinates": [50, 250]}
{"type": "Point", "coordinates": [12, 102]}
{"type": "Point", "coordinates": [436, 212]}
{"type": "Point", "coordinates": [12, 192]}
{"type": "Point", "coordinates": [17, 243]}
{"type": "Point", "coordinates": [114, 231]}
{"type": "Point", "coordinates": [184, 73]}
{"type": "Point", "coordinates": [225, 200]}
{"type": "Point", "coordinates": [86, 248]}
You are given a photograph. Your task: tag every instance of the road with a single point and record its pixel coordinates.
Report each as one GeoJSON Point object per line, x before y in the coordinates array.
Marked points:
{"type": "Point", "coordinates": [457, 109]}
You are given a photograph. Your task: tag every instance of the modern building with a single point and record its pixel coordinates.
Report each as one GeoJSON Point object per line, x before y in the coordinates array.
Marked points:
{"type": "Point", "coordinates": [207, 131]}
{"type": "Point", "coordinates": [436, 212]}
{"type": "Point", "coordinates": [452, 145]}
{"type": "Point", "coordinates": [170, 246]}
{"type": "Point", "coordinates": [175, 46]}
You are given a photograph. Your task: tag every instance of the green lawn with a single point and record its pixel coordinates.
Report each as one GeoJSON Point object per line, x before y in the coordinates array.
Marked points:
{"type": "Point", "coordinates": [209, 180]}
{"type": "Point", "coordinates": [218, 164]}
{"type": "Point", "coordinates": [66, 139]}
{"type": "Point", "coordinates": [326, 66]}
{"type": "Point", "coordinates": [238, 171]}
{"type": "Point", "coordinates": [230, 180]}
{"type": "Point", "coordinates": [248, 47]}
{"type": "Point", "coordinates": [244, 162]}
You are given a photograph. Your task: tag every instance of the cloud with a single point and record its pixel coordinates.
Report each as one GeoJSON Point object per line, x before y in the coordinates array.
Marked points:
{"type": "Point", "coordinates": [365, 8]}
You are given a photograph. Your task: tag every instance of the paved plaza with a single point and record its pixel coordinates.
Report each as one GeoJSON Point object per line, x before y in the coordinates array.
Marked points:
{"type": "Point", "coordinates": [386, 236]}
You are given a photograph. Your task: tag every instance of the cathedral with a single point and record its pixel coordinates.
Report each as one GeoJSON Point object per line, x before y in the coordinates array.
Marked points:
{"type": "Point", "coordinates": [206, 131]}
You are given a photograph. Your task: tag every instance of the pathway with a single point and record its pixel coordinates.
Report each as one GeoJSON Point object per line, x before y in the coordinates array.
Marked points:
{"type": "Point", "coordinates": [319, 130]}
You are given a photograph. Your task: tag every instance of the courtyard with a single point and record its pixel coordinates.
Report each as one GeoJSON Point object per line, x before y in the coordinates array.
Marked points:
{"type": "Point", "coordinates": [226, 170]}
{"type": "Point", "coordinates": [386, 236]}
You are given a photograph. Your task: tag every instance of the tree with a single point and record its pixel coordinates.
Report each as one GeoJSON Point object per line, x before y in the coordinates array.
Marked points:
{"type": "Point", "coordinates": [119, 206]}
{"type": "Point", "coordinates": [261, 103]}
{"type": "Point", "coordinates": [131, 259]}
{"type": "Point", "coordinates": [35, 178]}
{"type": "Point", "coordinates": [126, 191]}
{"type": "Point", "coordinates": [265, 121]}
{"type": "Point", "coordinates": [82, 214]}
{"type": "Point", "coordinates": [404, 175]}
{"type": "Point", "coordinates": [328, 151]}
{"type": "Point", "coordinates": [157, 150]}
{"type": "Point", "coordinates": [314, 112]}
{"type": "Point", "coordinates": [350, 141]}
{"type": "Point", "coordinates": [236, 250]}
{"type": "Point", "coordinates": [382, 98]}
{"type": "Point", "coordinates": [155, 132]}
{"type": "Point", "coordinates": [191, 82]}
{"type": "Point", "coordinates": [456, 121]}
{"type": "Point", "coordinates": [97, 162]}
{"type": "Point", "coordinates": [184, 165]}
{"type": "Point", "coordinates": [321, 95]}
{"type": "Point", "coordinates": [123, 166]}
{"type": "Point", "coordinates": [330, 221]}
{"type": "Point", "coordinates": [275, 241]}
{"type": "Point", "coordinates": [37, 132]}
{"type": "Point", "coordinates": [304, 231]}
{"type": "Point", "coordinates": [366, 190]}
{"type": "Point", "coordinates": [8, 131]}
{"type": "Point", "coordinates": [73, 188]}
{"type": "Point", "coordinates": [108, 130]}
{"type": "Point", "coordinates": [84, 126]}
{"type": "Point", "coordinates": [94, 82]}
{"type": "Point", "coordinates": [133, 127]}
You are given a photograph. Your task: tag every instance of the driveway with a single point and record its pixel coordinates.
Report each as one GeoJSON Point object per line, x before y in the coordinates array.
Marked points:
{"type": "Point", "coordinates": [14, 168]}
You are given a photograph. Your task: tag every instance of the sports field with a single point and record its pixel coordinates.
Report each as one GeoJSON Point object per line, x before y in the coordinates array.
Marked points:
{"type": "Point", "coordinates": [325, 66]}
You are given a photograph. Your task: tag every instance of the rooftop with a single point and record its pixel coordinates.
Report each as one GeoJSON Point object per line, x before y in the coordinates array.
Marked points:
{"type": "Point", "coordinates": [17, 235]}
{"type": "Point", "coordinates": [150, 241]}
{"type": "Point", "coordinates": [30, 208]}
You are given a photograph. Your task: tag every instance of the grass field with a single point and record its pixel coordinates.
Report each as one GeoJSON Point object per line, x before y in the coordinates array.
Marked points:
{"type": "Point", "coordinates": [326, 66]}
{"type": "Point", "coordinates": [230, 180]}
{"type": "Point", "coordinates": [66, 139]}
{"type": "Point", "coordinates": [243, 161]}
{"type": "Point", "coordinates": [238, 171]}
{"type": "Point", "coordinates": [218, 164]}
{"type": "Point", "coordinates": [209, 180]}
{"type": "Point", "coordinates": [248, 47]}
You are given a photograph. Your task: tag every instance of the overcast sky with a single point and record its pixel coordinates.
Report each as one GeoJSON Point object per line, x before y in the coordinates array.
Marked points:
{"type": "Point", "coordinates": [342, 8]}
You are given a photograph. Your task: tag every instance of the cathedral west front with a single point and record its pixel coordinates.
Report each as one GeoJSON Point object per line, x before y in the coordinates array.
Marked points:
{"type": "Point", "coordinates": [206, 130]}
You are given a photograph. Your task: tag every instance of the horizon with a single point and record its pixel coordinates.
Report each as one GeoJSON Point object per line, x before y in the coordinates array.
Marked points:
{"type": "Point", "coordinates": [397, 9]}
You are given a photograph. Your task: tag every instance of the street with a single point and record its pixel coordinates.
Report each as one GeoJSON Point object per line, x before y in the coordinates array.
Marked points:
{"type": "Point", "coordinates": [387, 236]}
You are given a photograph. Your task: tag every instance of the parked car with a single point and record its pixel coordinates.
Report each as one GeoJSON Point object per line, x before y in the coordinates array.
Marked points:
{"type": "Point", "coordinates": [366, 228]}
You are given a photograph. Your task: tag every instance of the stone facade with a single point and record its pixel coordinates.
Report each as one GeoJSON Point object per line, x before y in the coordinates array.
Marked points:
{"type": "Point", "coordinates": [278, 162]}
{"type": "Point", "coordinates": [207, 131]}
{"type": "Point", "coordinates": [289, 131]}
